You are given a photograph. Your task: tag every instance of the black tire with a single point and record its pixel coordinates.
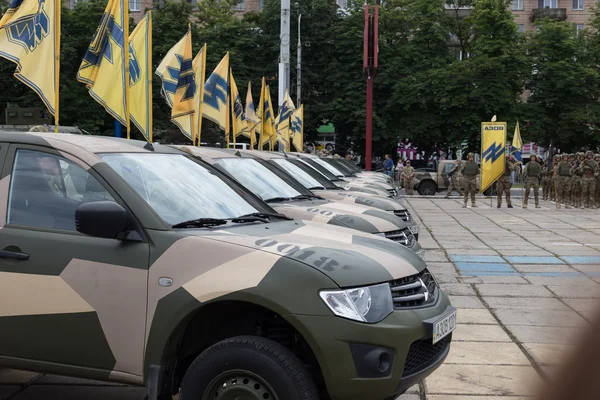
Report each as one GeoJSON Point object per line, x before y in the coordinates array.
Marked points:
{"type": "Point", "coordinates": [427, 188]}
{"type": "Point", "coordinates": [251, 361]}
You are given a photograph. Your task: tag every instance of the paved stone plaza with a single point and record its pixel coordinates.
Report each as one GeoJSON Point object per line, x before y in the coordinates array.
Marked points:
{"type": "Point", "coordinates": [524, 281]}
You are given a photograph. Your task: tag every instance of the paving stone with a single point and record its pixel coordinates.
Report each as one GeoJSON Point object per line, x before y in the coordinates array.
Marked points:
{"type": "Point", "coordinates": [529, 268]}
{"type": "Point", "coordinates": [465, 302]}
{"type": "Point", "coordinates": [409, 396]}
{"type": "Point", "coordinates": [458, 289]}
{"type": "Point", "coordinates": [482, 380]}
{"type": "Point", "coordinates": [533, 260]}
{"type": "Point", "coordinates": [480, 333]}
{"type": "Point", "coordinates": [475, 316]}
{"type": "Point", "coordinates": [504, 279]}
{"type": "Point", "coordinates": [560, 280]}
{"type": "Point", "coordinates": [540, 318]}
{"type": "Point", "coordinates": [513, 290]}
{"type": "Point", "coordinates": [525, 303]}
{"type": "Point", "coordinates": [486, 353]}
{"type": "Point", "coordinates": [548, 354]}
{"type": "Point", "coordinates": [546, 335]}
{"type": "Point", "coordinates": [575, 292]}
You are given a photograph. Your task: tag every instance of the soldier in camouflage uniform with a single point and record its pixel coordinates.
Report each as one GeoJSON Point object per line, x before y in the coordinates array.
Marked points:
{"type": "Point", "coordinates": [552, 174]}
{"type": "Point", "coordinates": [408, 173]}
{"type": "Point", "coordinates": [597, 194]}
{"type": "Point", "coordinates": [563, 171]}
{"type": "Point", "coordinates": [532, 172]}
{"type": "Point", "coordinates": [576, 160]}
{"type": "Point", "coordinates": [546, 182]}
{"type": "Point", "coordinates": [469, 170]}
{"type": "Point", "coordinates": [589, 172]}
{"type": "Point", "coordinates": [503, 184]}
{"type": "Point", "coordinates": [454, 184]}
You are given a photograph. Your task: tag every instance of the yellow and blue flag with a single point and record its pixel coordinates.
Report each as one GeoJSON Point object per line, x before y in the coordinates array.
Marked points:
{"type": "Point", "coordinates": [105, 65]}
{"type": "Point", "coordinates": [179, 84]}
{"type": "Point", "coordinates": [140, 72]}
{"type": "Point", "coordinates": [251, 118]}
{"type": "Point", "coordinates": [237, 109]}
{"type": "Point", "coordinates": [517, 142]}
{"type": "Point", "coordinates": [297, 128]}
{"type": "Point", "coordinates": [30, 37]}
{"type": "Point", "coordinates": [282, 122]}
{"type": "Point", "coordinates": [216, 91]}
{"type": "Point", "coordinates": [267, 127]}
{"type": "Point", "coordinates": [199, 66]}
{"type": "Point", "coordinates": [493, 147]}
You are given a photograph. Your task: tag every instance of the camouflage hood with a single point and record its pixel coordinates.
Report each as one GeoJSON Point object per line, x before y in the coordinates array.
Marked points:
{"type": "Point", "coordinates": [368, 182]}
{"type": "Point", "coordinates": [364, 190]}
{"type": "Point", "coordinates": [362, 218]}
{"type": "Point", "coordinates": [352, 197]}
{"type": "Point", "coordinates": [348, 257]}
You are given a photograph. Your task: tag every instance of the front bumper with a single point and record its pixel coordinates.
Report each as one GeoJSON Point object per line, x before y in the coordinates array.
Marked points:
{"type": "Point", "coordinates": [334, 341]}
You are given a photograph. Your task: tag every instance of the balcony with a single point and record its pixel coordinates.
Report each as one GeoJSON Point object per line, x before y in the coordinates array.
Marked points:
{"type": "Point", "coordinates": [559, 14]}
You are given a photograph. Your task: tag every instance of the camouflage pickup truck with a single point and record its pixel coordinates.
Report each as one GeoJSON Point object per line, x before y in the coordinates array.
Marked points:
{"type": "Point", "coordinates": [428, 181]}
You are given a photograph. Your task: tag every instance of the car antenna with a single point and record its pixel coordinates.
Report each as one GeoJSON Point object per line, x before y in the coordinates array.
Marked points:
{"type": "Point", "coordinates": [149, 146]}
{"type": "Point", "coordinates": [282, 150]}
{"type": "Point", "coordinates": [237, 153]}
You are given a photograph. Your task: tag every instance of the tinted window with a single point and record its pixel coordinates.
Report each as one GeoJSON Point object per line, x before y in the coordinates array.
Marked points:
{"type": "Point", "coordinates": [46, 189]}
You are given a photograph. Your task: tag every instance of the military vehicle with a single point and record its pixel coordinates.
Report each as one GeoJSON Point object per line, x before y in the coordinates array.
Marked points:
{"type": "Point", "coordinates": [323, 187]}
{"type": "Point", "coordinates": [136, 263]}
{"type": "Point", "coordinates": [428, 181]}
{"type": "Point", "coordinates": [290, 198]}
{"type": "Point", "coordinates": [332, 174]}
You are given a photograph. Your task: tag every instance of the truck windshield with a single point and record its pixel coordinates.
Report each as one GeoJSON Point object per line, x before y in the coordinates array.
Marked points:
{"type": "Point", "coordinates": [308, 177]}
{"type": "Point", "coordinates": [328, 167]}
{"type": "Point", "coordinates": [177, 188]}
{"type": "Point", "coordinates": [258, 178]}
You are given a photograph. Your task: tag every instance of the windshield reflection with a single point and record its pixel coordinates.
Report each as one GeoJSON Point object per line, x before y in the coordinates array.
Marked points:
{"type": "Point", "coordinates": [328, 166]}
{"type": "Point", "coordinates": [257, 178]}
{"type": "Point", "coordinates": [305, 179]}
{"type": "Point", "coordinates": [177, 188]}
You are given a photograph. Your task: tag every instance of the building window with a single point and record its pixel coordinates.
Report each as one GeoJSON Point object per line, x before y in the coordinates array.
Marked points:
{"type": "Point", "coordinates": [580, 28]}
{"type": "Point", "coordinates": [240, 6]}
{"type": "Point", "coordinates": [520, 28]}
{"type": "Point", "coordinates": [547, 3]}
{"type": "Point", "coordinates": [517, 5]}
{"type": "Point", "coordinates": [135, 5]}
{"type": "Point", "coordinates": [577, 4]}
{"type": "Point", "coordinates": [261, 4]}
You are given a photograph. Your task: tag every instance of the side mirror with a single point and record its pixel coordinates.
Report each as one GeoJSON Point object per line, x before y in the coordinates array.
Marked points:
{"type": "Point", "coordinates": [103, 219]}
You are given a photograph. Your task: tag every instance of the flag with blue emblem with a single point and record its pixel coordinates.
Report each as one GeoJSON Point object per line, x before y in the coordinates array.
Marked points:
{"type": "Point", "coordinates": [215, 105]}
{"type": "Point", "coordinates": [105, 65]}
{"type": "Point", "coordinates": [140, 72]}
{"type": "Point", "coordinates": [238, 124]}
{"type": "Point", "coordinates": [282, 122]}
{"type": "Point", "coordinates": [493, 148]}
{"type": "Point", "coordinates": [251, 118]}
{"type": "Point", "coordinates": [179, 85]}
{"type": "Point", "coordinates": [266, 116]}
{"type": "Point", "coordinates": [297, 128]}
{"type": "Point", "coordinates": [30, 37]}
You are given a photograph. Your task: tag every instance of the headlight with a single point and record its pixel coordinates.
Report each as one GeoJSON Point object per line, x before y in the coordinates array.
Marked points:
{"type": "Point", "coordinates": [366, 304]}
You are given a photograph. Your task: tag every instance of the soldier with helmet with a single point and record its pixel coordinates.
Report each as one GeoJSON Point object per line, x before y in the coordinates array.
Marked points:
{"type": "Point", "coordinates": [453, 174]}
{"type": "Point", "coordinates": [589, 172]}
{"type": "Point", "coordinates": [553, 177]}
{"type": "Point", "coordinates": [546, 181]}
{"type": "Point", "coordinates": [532, 172]}
{"type": "Point", "coordinates": [564, 171]}
{"type": "Point", "coordinates": [503, 184]}
{"type": "Point", "coordinates": [469, 170]}
{"type": "Point", "coordinates": [576, 161]}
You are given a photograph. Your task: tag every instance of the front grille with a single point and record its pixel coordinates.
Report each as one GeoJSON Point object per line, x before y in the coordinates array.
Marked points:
{"type": "Point", "coordinates": [414, 291]}
{"type": "Point", "coordinates": [404, 236]}
{"type": "Point", "coordinates": [404, 214]}
{"type": "Point", "coordinates": [423, 354]}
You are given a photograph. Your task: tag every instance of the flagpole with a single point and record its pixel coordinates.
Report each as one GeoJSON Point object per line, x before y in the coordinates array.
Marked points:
{"type": "Point", "coordinates": [58, 8]}
{"type": "Point", "coordinates": [126, 61]}
{"type": "Point", "coordinates": [149, 73]}
{"type": "Point", "coordinates": [201, 96]}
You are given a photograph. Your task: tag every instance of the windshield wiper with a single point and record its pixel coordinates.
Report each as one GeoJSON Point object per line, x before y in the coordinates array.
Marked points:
{"type": "Point", "coordinates": [277, 199]}
{"type": "Point", "coordinates": [259, 216]}
{"type": "Point", "coordinates": [200, 222]}
{"type": "Point", "coordinates": [316, 188]}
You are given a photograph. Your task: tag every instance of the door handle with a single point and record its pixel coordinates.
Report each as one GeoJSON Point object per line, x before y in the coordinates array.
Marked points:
{"type": "Point", "coordinates": [15, 255]}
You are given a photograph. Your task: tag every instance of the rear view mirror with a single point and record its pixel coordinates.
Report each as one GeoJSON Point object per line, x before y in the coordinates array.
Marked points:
{"type": "Point", "coordinates": [103, 219]}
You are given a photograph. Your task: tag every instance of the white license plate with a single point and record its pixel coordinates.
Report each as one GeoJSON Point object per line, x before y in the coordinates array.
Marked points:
{"type": "Point", "coordinates": [444, 327]}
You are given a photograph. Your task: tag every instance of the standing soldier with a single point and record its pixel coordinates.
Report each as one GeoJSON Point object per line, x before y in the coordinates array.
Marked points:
{"type": "Point", "coordinates": [532, 172]}
{"type": "Point", "coordinates": [407, 176]}
{"type": "Point", "coordinates": [563, 181]}
{"type": "Point", "coordinates": [589, 172]}
{"type": "Point", "coordinates": [469, 171]}
{"type": "Point", "coordinates": [553, 177]}
{"type": "Point", "coordinates": [597, 195]}
{"type": "Point", "coordinates": [453, 174]}
{"type": "Point", "coordinates": [576, 160]}
{"type": "Point", "coordinates": [546, 178]}
{"type": "Point", "coordinates": [504, 183]}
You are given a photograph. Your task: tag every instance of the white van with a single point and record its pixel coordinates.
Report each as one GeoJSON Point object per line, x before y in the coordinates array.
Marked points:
{"type": "Point", "coordinates": [240, 146]}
